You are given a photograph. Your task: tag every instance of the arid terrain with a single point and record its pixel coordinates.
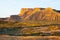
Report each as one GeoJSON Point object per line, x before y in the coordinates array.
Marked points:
{"type": "Point", "coordinates": [31, 24]}
{"type": "Point", "coordinates": [29, 37]}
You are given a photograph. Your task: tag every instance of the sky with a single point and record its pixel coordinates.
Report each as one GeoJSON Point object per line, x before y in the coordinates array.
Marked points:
{"type": "Point", "coordinates": [13, 7]}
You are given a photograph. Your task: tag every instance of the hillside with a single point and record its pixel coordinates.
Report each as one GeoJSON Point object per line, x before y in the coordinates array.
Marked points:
{"type": "Point", "coordinates": [32, 22]}
{"type": "Point", "coordinates": [40, 14]}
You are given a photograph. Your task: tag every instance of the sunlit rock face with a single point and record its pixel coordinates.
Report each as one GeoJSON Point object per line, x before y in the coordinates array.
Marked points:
{"type": "Point", "coordinates": [35, 14]}
{"type": "Point", "coordinates": [25, 11]}
{"type": "Point", "coordinates": [43, 14]}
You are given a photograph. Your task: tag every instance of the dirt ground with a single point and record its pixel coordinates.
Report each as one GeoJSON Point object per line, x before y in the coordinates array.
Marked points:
{"type": "Point", "coordinates": [4, 37]}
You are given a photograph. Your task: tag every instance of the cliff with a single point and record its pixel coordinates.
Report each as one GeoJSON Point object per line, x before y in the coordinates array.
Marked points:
{"type": "Point", "coordinates": [40, 14]}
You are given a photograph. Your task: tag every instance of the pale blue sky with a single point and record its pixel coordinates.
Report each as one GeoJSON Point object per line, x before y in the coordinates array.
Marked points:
{"type": "Point", "coordinates": [12, 7]}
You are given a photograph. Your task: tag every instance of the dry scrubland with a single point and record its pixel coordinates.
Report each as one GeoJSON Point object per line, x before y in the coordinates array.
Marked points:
{"type": "Point", "coordinates": [29, 28]}
{"type": "Point", "coordinates": [29, 37]}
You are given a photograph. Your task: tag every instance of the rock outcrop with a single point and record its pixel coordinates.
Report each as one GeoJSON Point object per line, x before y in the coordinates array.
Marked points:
{"type": "Point", "coordinates": [40, 14]}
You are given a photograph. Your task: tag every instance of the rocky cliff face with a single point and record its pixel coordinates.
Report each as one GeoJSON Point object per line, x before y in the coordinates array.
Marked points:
{"type": "Point", "coordinates": [42, 14]}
